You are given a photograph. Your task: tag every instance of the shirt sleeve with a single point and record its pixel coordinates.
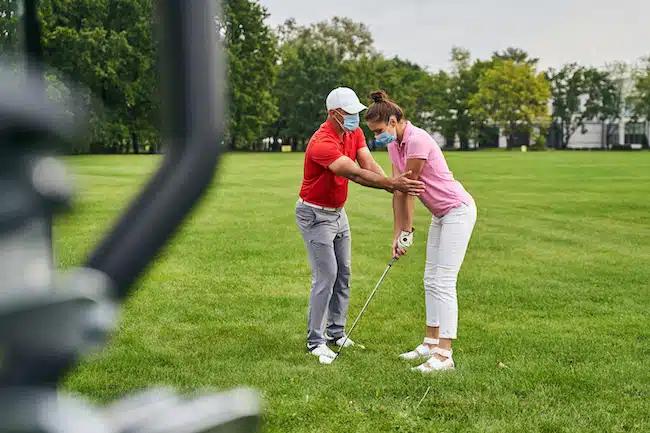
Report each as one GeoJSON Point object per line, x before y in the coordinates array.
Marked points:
{"type": "Point", "coordinates": [360, 139]}
{"type": "Point", "coordinates": [324, 152]}
{"type": "Point", "coordinates": [418, 148]}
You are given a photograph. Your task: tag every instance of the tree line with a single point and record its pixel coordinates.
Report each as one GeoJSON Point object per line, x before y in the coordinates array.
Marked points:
{"type": "Point", "coordinates": [278, 79]}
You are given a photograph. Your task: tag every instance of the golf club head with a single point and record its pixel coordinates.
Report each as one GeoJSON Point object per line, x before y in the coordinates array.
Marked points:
{"type": "Point", "coordinates": [31, 410]}
{"type": "Point", "coordinates": [326, 359]}
{"type": "Point", "coordinates": [359, 346]}
{"type": "Point", "coordinates": [129, 413]}
{"type": "Point", "coordinates": [33, 347]}
{"type": "Point", "coordinates": [233, 411]}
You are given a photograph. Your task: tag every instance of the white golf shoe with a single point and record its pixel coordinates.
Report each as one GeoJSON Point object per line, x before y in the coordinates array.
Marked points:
{"type": "Point", "coordinates": [324, 353]}
{"type": "Point", "coordinates": [341, 340]}
{"type": "Point", "coordinates": [434, 364]}
{"type": "Point", "coordinates": [422, 351]}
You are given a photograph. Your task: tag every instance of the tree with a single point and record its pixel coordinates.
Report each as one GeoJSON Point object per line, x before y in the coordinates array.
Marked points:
{"type": "Point", "coordinates": [252, 58]}
{"type": "Point", "coordinates": [367, 74]}
{"type": "Point", "coordinates": [343, 38]}
{"type": "Point", "coordinates": [460, 85]}
{"type": "Point", "coordinates": [347, 39]}
{"type": "Point", "coordinates": [614, 97]}
{"type": "Point", "coordinates": [138, 106]}
{"type": "Point", "coordinates": [108, 47]}
{"type": "Point", "coordinates": [429, 95]}
{"type": "Point", "coordinates": [579, 95]}
{"type": "Point", "coordinates": [639, 99]}
{"type": "Point", "coordinates": [306, 75]}
{"type": "Point", "coordinates": [516, 55]}
{"type": "Point", "coordinates": [442, 114]}
{"type": "Point", "coordinates": [407, 83]}
{"type": "Point", "coordinates": [513, 96]}
{"type": "Point", "coordinates": [8, 26]}
{"type": "Point", "coordinates": [315, 59]}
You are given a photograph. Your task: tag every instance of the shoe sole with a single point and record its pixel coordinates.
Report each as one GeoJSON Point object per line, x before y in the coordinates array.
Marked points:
{"type": "Point", "coordinates": [311, 352]}
{"type": "Point", "coordinates": [453, 367]}
{"type": "Point", "coordinates": [315, 354]}
{"type": "Point", "coordinates": [415, 358]}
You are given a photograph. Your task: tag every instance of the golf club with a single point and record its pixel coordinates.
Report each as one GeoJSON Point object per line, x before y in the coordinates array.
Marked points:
{"type": "Point", "coordinates": [393, 260]}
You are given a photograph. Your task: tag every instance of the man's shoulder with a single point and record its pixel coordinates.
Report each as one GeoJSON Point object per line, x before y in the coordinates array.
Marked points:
{"type": "Point", "coordinates": [358, 133]}
{"type": "Point", "coordinates": [321, 137]}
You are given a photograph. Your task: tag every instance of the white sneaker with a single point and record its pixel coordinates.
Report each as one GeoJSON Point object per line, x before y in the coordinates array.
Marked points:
{"type": "Point", "coordinates": [434, 364]}
{"type": "Point", "coordinates": [422, 351]}
{"type": "Point", "coordinates": [323, 350]}
{"type": "Point", "coordinates": [339, 342]}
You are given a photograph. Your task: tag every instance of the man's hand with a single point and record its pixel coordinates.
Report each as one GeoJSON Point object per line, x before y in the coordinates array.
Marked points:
{"type": "Point", "coordinates": [345, 167]}
{"type": "Point", "coordinates": [407, 185]}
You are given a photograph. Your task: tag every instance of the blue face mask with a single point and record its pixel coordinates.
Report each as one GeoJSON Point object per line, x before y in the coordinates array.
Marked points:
{"type": "Point", "coordinates": [351, 122]}
{"type": "Point", "coordinates": [384, 139]}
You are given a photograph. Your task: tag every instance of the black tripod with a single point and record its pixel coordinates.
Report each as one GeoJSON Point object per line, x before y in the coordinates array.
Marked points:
{"type": "Point", "coordinates": [47, 324]}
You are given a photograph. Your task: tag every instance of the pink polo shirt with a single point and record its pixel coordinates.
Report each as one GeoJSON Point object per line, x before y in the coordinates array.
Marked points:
{"type": "Point", "coordinates": [442, 192]}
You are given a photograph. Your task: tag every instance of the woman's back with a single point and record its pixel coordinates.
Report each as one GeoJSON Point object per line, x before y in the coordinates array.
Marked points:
{"type": "Point", "coordinates": [442, 191]}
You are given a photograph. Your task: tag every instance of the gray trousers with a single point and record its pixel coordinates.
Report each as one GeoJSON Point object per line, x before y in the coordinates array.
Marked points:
{"type": "Point", "coordinates": [327, 239]}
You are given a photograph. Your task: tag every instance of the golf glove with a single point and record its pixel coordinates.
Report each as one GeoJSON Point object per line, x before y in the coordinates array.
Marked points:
{"type": "Point", "coordinates": [405, 239]}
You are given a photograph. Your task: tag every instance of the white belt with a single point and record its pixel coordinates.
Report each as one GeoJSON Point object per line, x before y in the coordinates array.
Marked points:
{"type": "Point", "coordinates": [315, 206]}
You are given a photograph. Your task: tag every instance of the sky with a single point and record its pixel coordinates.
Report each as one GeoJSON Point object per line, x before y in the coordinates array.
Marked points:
{"type": "Point", "coordinates": [590, 32]}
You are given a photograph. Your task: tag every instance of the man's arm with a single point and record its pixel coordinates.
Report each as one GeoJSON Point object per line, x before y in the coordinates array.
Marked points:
{"type": "Point", "coordinates": [367, 162]}
{"type": "Point", "coordinates": [345, 167]}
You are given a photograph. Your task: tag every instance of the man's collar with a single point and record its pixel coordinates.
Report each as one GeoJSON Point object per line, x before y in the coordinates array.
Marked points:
{"type": "Point", "coordinates": [329, 126]}
{"type": "Point", "coordinates": [331, 129]}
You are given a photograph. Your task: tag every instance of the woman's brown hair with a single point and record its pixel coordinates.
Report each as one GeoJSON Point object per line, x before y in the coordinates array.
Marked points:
{"type": "Point", "coordinates": [382, 108]}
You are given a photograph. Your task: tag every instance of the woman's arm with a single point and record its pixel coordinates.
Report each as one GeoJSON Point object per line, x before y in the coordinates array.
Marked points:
{"type": "Point", "coordinates": [414, 165]}
{"type": "Point", "coordinates": [403, 207]}
{"type": "Point", "coordinates": [400, 214]}
{"type": "Point", "coordinates": [400, 210]}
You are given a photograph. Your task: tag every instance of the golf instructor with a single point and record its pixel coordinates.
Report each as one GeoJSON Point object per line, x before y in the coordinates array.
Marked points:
{"type": "Point", "coordinates": [329, 165]}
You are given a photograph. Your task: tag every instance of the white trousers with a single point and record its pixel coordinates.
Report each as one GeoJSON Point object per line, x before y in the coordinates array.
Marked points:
{"type": "Point", "coordinates": [449, 237]}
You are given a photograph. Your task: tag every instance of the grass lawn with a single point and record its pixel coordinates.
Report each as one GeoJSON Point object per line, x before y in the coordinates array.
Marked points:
{"type": "Point", "coordinates": [556, 286]}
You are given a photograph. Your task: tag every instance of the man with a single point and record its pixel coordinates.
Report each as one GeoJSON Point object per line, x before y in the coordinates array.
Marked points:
{"type": "Point", "coordinates": [329, 164]}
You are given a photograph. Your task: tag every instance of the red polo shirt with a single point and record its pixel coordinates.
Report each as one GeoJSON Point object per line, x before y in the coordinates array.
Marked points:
{"type": "Point", "coordinates": [319, 184]}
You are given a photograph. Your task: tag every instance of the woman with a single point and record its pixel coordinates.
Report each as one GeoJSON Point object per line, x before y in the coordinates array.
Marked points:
{"type": "Point", "coordinates": [453, 217]}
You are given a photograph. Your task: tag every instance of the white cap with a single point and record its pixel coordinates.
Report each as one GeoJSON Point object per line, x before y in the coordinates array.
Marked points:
{"type": "Point", "coordinates": [346, 99]}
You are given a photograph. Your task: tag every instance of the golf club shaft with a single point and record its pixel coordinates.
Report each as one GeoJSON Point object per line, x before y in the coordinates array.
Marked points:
{"type": "Point", "coordinates": [366, 304]}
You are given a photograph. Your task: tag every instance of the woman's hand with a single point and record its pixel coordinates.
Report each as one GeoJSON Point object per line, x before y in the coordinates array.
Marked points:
{"type": "Point", "coordinates": [396, 250]}
{"type": "Point", "coordinates": [401, 242]}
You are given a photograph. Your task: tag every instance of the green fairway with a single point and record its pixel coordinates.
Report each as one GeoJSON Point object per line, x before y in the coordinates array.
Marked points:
{"type": "Point", "coordinates": [556, 286]}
